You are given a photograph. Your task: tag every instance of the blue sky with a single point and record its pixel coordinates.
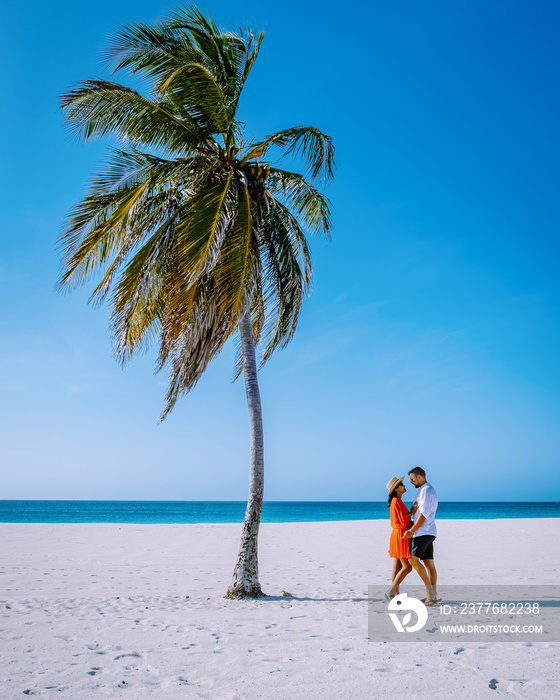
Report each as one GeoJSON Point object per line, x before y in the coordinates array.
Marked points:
{"type": "Point", "coordinates": [432, 334]}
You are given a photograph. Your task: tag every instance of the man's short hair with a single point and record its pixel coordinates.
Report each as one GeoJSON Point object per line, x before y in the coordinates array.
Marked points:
{"type": "Point", "coordinates": [418, 471]}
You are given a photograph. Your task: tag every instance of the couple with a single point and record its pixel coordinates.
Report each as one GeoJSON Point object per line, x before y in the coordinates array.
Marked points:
{"type": "Point", "coordinates": [413, 543]}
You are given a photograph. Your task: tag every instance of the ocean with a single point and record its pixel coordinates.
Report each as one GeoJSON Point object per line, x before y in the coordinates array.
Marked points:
{"type": "Point", "coordinates": [158, 512]}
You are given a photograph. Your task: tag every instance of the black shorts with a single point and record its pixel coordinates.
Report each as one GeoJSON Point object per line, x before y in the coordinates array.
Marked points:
{"type": "Point", "coordinates": [422, 546]}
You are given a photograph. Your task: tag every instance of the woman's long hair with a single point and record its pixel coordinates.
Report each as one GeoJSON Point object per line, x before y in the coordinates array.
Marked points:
{"type": "Point", "coordinates": [392, 495]}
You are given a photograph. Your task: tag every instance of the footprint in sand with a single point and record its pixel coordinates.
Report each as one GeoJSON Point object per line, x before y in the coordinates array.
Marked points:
{"type": "Point", "coordinates": [134, 655]}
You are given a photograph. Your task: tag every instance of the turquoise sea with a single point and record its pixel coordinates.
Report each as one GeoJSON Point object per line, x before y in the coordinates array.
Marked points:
{"type": "Point", "coordinates": [154, 512]}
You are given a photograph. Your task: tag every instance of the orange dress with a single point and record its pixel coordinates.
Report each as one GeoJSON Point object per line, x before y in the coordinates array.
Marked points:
{"type": "Point", "coordinates": [400, 522]}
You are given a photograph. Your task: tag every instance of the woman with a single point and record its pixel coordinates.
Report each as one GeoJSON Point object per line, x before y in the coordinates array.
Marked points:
{"type": "Point", "coordinates": [401, 521]}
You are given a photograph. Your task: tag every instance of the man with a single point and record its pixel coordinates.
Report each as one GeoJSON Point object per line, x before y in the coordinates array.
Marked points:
{"type": "Point", "coordinates": [423, 533]}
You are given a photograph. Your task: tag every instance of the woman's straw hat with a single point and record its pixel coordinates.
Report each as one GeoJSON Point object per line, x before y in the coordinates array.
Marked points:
{"type": "Point", "coordinates": [392, 485]}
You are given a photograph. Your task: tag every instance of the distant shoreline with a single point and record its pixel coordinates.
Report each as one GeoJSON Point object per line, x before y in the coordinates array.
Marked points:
{"type": "Point", "coordinates": [217, 512]}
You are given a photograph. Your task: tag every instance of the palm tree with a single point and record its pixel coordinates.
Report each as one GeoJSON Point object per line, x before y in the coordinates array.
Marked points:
{"type": "Point", "coordinates": [196, 233]}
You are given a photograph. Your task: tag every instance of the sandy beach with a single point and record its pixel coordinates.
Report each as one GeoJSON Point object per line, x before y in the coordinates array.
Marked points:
{"type": "Point", "coordinates": [104, 610]}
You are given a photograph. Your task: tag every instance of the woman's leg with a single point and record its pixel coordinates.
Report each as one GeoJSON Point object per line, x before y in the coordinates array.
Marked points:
{"type": "Point", "coordinates": [400, 577]}
{"type": "Point", "coordinates": [396, 568]}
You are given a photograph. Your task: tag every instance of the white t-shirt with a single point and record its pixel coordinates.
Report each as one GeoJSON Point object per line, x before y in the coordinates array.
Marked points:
{"type": "Point", "coordinates": [427, 505]}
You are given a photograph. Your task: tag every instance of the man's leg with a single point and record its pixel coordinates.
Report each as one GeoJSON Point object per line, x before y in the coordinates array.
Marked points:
{"type": "Point", "coordinates": [431, 567]}
{"type": "Point", "coordinates": [420, 569]}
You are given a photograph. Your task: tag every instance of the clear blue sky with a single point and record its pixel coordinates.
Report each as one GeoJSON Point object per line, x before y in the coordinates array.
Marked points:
{"type": "Point", "coordinates": [432, 334]}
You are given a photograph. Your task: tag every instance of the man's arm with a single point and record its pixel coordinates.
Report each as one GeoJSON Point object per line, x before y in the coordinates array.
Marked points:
{"type": "Point", "coordinates": [417, 524]}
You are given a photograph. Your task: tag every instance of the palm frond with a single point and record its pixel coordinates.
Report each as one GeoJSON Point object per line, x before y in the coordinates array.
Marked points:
{"type": "Point", "coordinates": [304, 200]}
{"type": "Point", "coordinates": [138, 300]}
{"type": "Point", "coordinates": [253, 41]}
{"type": "Point", "coordinates": [157, 211]}
{"type": "Point", "coordinates": [119, 206]}
{"type": "Point", "coordinates": [121, 167]}
{"type": "Point", "coordinates": [243, 50]}
{"type": "Point", "coordinates": [200, 232]}
{"type": "Point", "coordinates": [232, 270]}
{"type": "Point", "coordinates": [306, 142]}
{"type": "Point", "coordinates": [187, 355]}
{"type": "Point", "coordinates": [287, 270]}
{"type": "Point", "coordinates": [229, 55]}
{"type": "Point", "coordinates": [97, 108]}
{"type": "Point", "coordinates": [96, 230]}
{"type": "Point", "coordinates": [211, 42]}
{"type": "Point", "coordinates": [297, 239]}
{"type": "Point", "coordinates": [130, 198]}
{"type": "Point", "coordinates": [152, 50]}
{"type": "Point", "coordinates": [193, 89]}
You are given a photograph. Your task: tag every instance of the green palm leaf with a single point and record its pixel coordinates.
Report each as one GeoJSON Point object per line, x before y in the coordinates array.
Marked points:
{"type": "Point", "coordinates": [233, 269]}
{"type": "Point", "coordinates": [304, 200]}
{"type": "Point", "coordinates": [187, 354]}
{"type": "Point", "coordinates": [306, 142]}
{"type": "Point", "coordinates": [194, 90]}
{"type": "Point", "coordinates": [100, 108]}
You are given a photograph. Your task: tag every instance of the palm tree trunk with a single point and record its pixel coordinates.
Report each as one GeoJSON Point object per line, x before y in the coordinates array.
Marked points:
{"type": "Point", "coordinates": [245, 581]}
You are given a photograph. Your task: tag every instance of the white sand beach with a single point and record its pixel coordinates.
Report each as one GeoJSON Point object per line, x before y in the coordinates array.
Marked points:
{"type": "Point", "coordinates": [113, 610]}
